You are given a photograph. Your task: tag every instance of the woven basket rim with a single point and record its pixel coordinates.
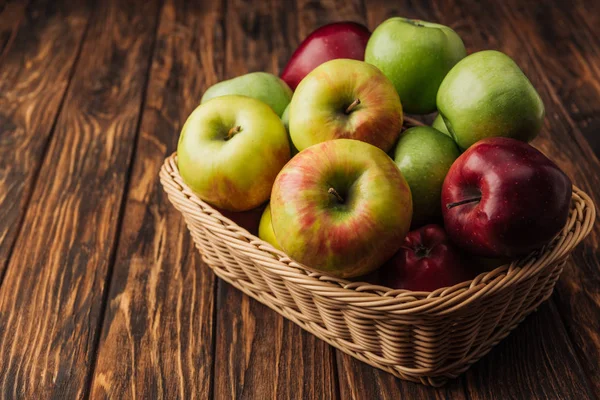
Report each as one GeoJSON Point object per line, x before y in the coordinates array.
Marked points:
{"type": "Point", "coordinates": [381, 298]}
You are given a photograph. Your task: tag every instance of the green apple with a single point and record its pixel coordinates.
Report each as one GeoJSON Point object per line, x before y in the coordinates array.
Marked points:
{"type": "Point", "coordinates": [230, 150]}
{"type": "Point", "coordinates": [424, 155]}
{"type": "Point", "coordinates": [345, 99]}
{"type": "Point", "coordinates": [259, 85]}
{"type": "Point", "coordinates": [341, 207]}
{"type": "Point", "coordinates": [265, 229]}
{"type": "Point", "coordinates": [487, 95]}
{"type": "Point", "coordinates": [438, 123]}
{"type": "Point", "coordinates": [416, 56]}
{"type": "Point", "coordinates": [285, 118]}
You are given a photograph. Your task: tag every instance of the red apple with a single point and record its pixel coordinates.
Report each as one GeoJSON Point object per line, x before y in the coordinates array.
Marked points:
{"type": "Point", "coordinates": [337, 40]}
{"type": "Point", "coordinates": [504, 198]}
{"type": "Point", "coordinates": [426, 261]}
{"type": "Point", "coordinates": [249, 220]}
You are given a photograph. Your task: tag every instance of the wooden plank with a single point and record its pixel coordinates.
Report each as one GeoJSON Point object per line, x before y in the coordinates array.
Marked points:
{"type": "Point", "coordinates": [571, 62]}
{"type": "Point", "coordinates": [157, 336]}
{"type": "Point", "coordinates": [51, 299]}
{"type": "Point", "coordinates": [361, 381]}
{"type": "Point", "coordinates": [494, 29]}
{"type": "Point", "coordinates": [570, 73]}
{"type": "Point", "coordinates": [358, 380]}
{"type": "Point", "coordinates": [258, 353]}
{"type": "Point", "coordinates": [530, 363]}
{"type": "Point", "coordinates": [11, 16]}
{"type": "Point", "coordinates": [34, 75]}
{"type": "Point", "coordinates": [479, 35]}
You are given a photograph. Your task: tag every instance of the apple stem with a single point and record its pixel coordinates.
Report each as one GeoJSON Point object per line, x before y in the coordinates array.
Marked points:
{"type": "Point", "coordinates": [352, 106]}
{"type": "Point", "coordinates": [336, 194]}
{"type": "Point", "coordinates": [233, 131]}
{"type": "Point", "coordinates": [460, 203]}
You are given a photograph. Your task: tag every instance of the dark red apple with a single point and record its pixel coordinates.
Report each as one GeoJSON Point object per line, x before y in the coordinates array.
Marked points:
{"type": "Point", "coordinates": [337, 40]}
{"type": "Point", "coordinates": [504, 198]}
{"type": "Point", "coordinates": [426, 261]}
{"type": "Point", "coordinates": [248, 220]}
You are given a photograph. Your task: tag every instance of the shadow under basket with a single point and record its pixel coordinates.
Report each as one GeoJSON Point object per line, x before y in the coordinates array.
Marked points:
{"type": "Point", "coordinates": [426, 337]}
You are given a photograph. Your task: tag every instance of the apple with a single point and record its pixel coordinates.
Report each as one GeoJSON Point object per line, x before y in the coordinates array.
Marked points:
{"type": "Point", "coordinates": [341, 207]}
{"type": "Point", "coordinates": [438, 123]}
{"type": "Point", "coordinates": [487, 95]}
{"type": "Point", "coordinates": [265, 229]}
{"type": "Point", "coordinates": [504, 198]}
{"type": "Point", "coordinates": [249, 220]}
{"type": "Point", "coordinates": [230, 150]}
{"type": "Point", "coordinates": [262, 86]}
{"type": "Point", "coordinates": [285, 118]}
{"type": "Point", "coordinates": [416, 56]}
{"type": "Point", "coordinates": [337, 40]}
{"type": "Point", "coordinates": [424, 156]}
{"type": "Point", "coordinates": [345, 99]}
{"type": "Point", "coordinates": [426, 261]}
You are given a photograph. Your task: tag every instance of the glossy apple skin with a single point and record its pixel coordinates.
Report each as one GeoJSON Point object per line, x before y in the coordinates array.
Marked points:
{"type": "Point", "coordinates": [343, 239]}
{"type": "Point", "coordinates": [318, 111]}
{"type": "Point", "coordinates": [337, 40]}
{"type": "Point", "coordinates": [237, 173]}
{"type": "Point", "coordinates": [426, 261]}
{"type": "Point", "coordinates": [525, 199]}
{"type": "Point", "coordinates": [262, 86]}
{"type": "Point", "coordinates": [265, 228]}
{"type": "Point", "coordinates": [416, 56]}
{"type": "Point", "coordinates": [438, 123]}
{"type": "Point", "coordinates": [424, 156]}
{"type": "Point", "coordinates": [487, 95]}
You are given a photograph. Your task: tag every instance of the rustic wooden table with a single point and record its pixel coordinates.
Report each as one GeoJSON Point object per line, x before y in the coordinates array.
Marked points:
{"type": "Point", "coordinates": [102, 293]}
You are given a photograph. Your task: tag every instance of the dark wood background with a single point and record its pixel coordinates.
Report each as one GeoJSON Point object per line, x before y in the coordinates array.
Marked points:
{"type": "Point", "coordinates": [101, 291]}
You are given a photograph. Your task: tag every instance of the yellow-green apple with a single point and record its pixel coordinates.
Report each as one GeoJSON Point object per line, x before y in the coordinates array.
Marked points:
{"type": "Point", "coordinates": [438, 123]}
{"type": "Point", "coordinates": [230, 150]}
{"type": "Point", "coordinates": [424, 155]}
{"type": "Point", "coordinates": [504, 198]}
{"type": "Point", "coordinates": [487, 95]}
{"type": "Point", "coordinates": [265, 228]}
{"type": "Point", "coordinates": [285, 118]}
{"type": "Point", "coordinates": [345, 99]}
{"type": "Point", "coordinates": [262, 86]}
{"type": "Point", "coordinates": [341, 207]}
{"type": "Point", "coordinates": [416, 56]}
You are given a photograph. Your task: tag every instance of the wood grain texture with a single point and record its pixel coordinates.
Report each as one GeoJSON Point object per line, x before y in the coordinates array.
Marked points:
{"type": "Point", "coordinates": [356, 379]}
{"type": "Point", "coordinates": [157, 337]}
{"type": "Point", "coordinates": [11, 16]}
{"type": "Point", "coordinates": [53, 290]}
{"type": "Point", "coordinates": [34, 75]}
{"type": "Point", "coordinates": [258, 353]}
{"type": "Point", "coordinates": [563, 142]}
{"type": "Point", "coordinates": [570, 70]}
{"type": "Point", "coordinates": [530, 363]}
{"type": "Point", "coordinates": [361, 381]}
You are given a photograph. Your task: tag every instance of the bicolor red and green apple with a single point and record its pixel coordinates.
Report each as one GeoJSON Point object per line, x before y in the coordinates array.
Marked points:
{"type": "Point", "coordinates": [341, 207]}
{"type": "Point", "coordinates": [345, 99]}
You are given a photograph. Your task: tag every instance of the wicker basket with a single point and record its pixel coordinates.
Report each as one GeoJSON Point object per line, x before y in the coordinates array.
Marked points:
{"type": "Point", "coordinates": [418, 336]}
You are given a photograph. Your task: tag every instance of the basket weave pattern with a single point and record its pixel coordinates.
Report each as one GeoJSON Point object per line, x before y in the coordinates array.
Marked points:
{"type": "Point", "coordinates": [418, 336]}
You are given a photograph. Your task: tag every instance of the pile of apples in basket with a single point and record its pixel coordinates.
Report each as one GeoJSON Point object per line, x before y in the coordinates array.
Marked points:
{"type": "Point", "coordinates": [347, 191]}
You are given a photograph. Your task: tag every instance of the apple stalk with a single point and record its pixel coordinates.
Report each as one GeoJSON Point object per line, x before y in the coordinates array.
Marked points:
{"type": "Point", "coordinates": [336, 194]}
{"type": "Point", "coordinates": [352, 106]}
{"type": "Point", "coordinates": [233, 131]}
{"type": "Point", "coordinates": [460, 203]}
